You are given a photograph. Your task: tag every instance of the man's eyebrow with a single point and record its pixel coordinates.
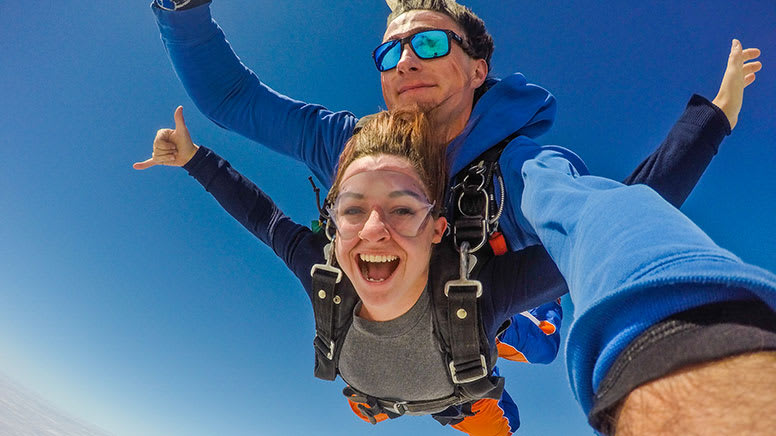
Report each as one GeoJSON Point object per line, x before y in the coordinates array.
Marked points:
{"type": "Point", "coordinates": [411, 32]}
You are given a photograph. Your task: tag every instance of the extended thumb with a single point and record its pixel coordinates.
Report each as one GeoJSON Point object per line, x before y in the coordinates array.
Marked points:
{"type": "Point", "coordinates": [180, 124]}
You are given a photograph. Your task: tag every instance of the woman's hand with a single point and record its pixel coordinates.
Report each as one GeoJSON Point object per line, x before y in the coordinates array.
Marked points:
{"type": "Point", "coordinates": [171, 147]}
{"type": "Point", "coordinates": [738, 75]}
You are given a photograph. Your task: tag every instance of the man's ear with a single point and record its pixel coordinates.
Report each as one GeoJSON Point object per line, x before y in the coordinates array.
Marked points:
{"type": "Point", "coordinates": [440, 225]}
{"type": "Point", "coordinates": [479, 72]}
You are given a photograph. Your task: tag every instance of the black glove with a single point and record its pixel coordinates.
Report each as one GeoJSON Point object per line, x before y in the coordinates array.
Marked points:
{"type": "Point", "coordinates": [179, 5]}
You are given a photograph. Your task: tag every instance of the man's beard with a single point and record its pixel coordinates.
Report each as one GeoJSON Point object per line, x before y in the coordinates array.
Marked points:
{"type": "Point", "coordinates": [438, 124]}
{"type": "Point", "coordinates": [439, 119]}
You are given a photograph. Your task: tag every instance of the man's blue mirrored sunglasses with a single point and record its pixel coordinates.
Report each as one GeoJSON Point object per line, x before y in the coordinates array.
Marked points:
{"type": "Point", "coordinates": [427, 44]}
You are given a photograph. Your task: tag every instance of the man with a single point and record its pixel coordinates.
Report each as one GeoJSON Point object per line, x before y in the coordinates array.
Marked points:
{"type": "Point", "coordinates": [446, 85]}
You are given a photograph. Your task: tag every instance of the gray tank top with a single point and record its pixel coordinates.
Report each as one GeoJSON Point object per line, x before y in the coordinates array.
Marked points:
{"type": "Point", "coordinates": [398, 359]}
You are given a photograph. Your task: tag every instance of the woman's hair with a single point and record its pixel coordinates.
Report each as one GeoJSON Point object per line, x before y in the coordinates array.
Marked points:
{"type": "Point", "coordinates": [405, 134]}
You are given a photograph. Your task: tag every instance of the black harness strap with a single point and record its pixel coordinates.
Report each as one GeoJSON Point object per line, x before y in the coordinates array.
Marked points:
{"type": "Point", "coordinates": [468, 362]}
{"type": "Point", "coordinates": [459, 328]}
{"type": "Point", "coordinates": [324, 281]}
{"type": "Point", "coordinates": [474, 219]}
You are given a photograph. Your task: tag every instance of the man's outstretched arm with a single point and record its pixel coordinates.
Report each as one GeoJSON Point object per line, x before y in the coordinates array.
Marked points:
{"type": "Point", "coordinates": [233, 97]}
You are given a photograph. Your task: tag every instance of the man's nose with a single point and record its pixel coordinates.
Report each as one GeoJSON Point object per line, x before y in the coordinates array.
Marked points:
{"type": "Point", "coordinates": [374, 228]}
{"type": "Point", "coordinates": [408, 61]}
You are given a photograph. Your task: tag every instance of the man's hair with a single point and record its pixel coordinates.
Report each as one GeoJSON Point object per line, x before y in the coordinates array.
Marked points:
{"type": "Point", "coordinates": [479, 43]}
{"type": "Point", "coordinates": [405, 134]}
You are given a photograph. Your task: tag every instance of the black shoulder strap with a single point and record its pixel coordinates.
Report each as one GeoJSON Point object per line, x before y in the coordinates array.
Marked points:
{"type": "Point", "coordinates": [455, 296]}
{"type": "Point", "coordinates": [333, 301]}
{"type": "Point", "coordinates": [458, 325]}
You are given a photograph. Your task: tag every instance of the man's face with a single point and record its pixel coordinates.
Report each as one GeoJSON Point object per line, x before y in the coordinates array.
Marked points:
{"type": "Point", "coordinates": [447, 83]}
{"type": "Point", "coordinates": [387, 269]}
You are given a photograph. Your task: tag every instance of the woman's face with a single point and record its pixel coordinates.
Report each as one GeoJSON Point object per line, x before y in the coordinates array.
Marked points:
{"type": "Point", "coordinates": [385, 234]}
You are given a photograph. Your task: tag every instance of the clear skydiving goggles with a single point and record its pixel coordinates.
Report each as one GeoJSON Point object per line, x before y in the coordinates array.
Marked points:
{"type": "Point", "coordinates": [427, 44]}
{"type": "Point", "coordinates": [401, 207]}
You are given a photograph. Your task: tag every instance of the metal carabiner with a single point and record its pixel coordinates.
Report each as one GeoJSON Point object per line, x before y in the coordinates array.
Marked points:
{"type": "Point", "coordinates": [464, 269]}
{"type": "Point", "coordinates": [328, 253]}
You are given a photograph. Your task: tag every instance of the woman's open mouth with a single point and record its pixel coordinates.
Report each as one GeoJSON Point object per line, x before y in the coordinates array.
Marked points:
{"type": "Point", "coordinates": [377, 268]}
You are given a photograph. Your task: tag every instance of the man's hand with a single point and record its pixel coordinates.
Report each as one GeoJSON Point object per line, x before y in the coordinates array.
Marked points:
{"type": "Point", "coordinates": [171, 147]}
{"type": "Point", "coordinates": [738, 75]}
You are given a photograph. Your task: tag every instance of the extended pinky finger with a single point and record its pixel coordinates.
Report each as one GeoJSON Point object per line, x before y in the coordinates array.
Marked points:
{"type": "Point", "coordinates": [748, 79]}
{"type": "Point", "coordinates": [148, 163]}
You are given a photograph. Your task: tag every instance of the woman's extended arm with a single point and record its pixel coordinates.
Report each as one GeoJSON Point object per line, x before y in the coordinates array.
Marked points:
{"type": "Point", "coordinates": [297, 245]}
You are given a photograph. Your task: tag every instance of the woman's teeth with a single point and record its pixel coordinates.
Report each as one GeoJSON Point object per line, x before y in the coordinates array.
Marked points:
{"type": "Point", "coordinates": [378, 268]}
{"type": "Point", "coordinates": [377, 258]}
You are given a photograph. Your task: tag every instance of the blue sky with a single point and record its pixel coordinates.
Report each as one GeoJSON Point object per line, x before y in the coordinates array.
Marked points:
{"type": "Point", "coordinates": [131, 300]}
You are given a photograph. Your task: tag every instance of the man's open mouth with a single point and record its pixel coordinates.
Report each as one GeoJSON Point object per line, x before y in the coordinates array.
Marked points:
{"type": "Point", "coordinates": [377, 268]}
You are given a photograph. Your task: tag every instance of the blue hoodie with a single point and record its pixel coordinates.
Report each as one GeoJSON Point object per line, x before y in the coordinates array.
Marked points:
{"type": "Point", "coordinates": [624, 272]}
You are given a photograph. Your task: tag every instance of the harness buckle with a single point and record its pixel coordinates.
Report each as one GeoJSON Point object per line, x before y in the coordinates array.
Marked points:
{"type": "Point", "coordinates": [469, 221]}
{"type": "Point", "coordinates": [483, 234]}
{"type": "Point", "coordinates": [478, 375]}
{"type": "Point", "coordinates": [321, 344]}
{"type": "Point", "coordinates": [486, 203]}
{"type": "Point", "coordinates": [476, 171]}
{"type": "Point", "coordinates": [399, 407]}
{"type": "Point", "coordinates": [464, 283]}
{"type": "Point", "coordinates": [328, 269]}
